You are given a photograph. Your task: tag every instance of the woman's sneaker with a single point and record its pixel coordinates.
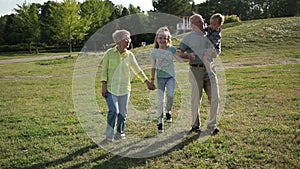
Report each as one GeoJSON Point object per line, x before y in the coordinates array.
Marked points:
{"type": "Point", "coordinates": [160, 127]}
{"type": "Point", "coordinates": [169, 117]}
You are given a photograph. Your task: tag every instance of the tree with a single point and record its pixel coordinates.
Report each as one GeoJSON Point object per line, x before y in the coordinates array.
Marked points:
{"type": "Point", "coordinates": [29, 23]}
{"type": "Point", "coordinates": [117, 12]}
{"type": "Point", "coordinates": [178, 7]}
{"type": "Point", "coordinates": [2, 28]}
{"type": "Point", "coordinates": [47, 22]}
{"type": "Point", "coordinates": [284, 8]}
{"type": "Point", "coordinates": [250, 9]}
{"type": "Point", "coordinates": [133, 10]}
{"type": "Point", "coordinates": [125, 12]}
{"type": "Point", "coordinates": [97, 12]}
{"type": "Point", "coordinates": [10, 34]}
{"type": "Point", "coordinates": [68, 26]}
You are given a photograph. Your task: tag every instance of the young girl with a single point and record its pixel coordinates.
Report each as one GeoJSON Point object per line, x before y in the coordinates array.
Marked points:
{"type": "Point", "coordinates": [162, 65]}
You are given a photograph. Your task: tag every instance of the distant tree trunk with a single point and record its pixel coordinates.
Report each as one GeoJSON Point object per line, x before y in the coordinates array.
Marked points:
{"type": "Point", "coordinates": [73, 46]}
{"type": "Point", "coordinates": [36, 46]}
{"type": "Point", "coordinates": [70, 46]}
{"type": "Point", "coordinates": [29, 47]}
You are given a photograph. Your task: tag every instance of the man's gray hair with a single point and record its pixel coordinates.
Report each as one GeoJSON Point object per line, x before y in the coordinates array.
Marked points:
{"type": "Point", "coordinates": [196, 16]}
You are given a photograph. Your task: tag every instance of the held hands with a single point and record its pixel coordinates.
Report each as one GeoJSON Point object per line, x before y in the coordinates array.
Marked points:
{"type": "Point", "coordinates": [191, 56]}
{"type": "Point", "coordinates": [150, 85]}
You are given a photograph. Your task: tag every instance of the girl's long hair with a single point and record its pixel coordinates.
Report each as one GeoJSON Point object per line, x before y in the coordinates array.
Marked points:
{"type": "Point", "coordinates": [165, 31]}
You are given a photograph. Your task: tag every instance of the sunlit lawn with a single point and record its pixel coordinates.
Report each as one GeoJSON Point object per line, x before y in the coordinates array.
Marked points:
{"type": "Point", "coordinates": [259, 126]}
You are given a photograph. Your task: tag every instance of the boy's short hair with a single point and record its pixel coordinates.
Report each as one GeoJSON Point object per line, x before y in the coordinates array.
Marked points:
{"type": "Point", "coordinates": [119, 35]}
{"type": "Point", "coordinates": [219, 17]}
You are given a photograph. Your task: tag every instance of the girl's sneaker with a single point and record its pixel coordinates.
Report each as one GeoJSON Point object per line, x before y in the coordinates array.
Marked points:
{"type": "Point", "coordinates": [169, 117]}
{"type": "Point", "coordinates": [160, 127]}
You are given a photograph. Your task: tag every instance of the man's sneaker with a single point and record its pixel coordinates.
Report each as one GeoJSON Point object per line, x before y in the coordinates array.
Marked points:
{"type": "Point", "coordinates": [160, 127]}
{"type": "Point", "coordinates": [169, 117]}
{"type": "Point", "coordinates": [195, 130]}
{"type": "Point", "coordinates": [215, 131]}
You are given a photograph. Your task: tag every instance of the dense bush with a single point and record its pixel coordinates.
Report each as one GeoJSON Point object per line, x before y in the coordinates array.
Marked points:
{"type": "Point", "coordinates": [232, 18]}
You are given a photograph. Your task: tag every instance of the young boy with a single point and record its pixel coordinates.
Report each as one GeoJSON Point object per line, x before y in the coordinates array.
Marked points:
{"type": "Point", "coordinates": [213, 33]}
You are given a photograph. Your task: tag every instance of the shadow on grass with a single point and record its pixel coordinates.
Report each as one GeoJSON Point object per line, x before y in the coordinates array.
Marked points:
{"type": "Point", "coordinates": [114, 162]}
{"type": "Point", "coordinates": [60, 161]}
{"type": "Point", "coordinates": [125, 162]}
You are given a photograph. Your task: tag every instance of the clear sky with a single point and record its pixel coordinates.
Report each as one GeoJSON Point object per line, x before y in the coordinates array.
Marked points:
{"type": "Point", "coordinates": [7, 6]}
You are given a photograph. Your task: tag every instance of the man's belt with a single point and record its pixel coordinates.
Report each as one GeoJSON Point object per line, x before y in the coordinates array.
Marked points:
{"type": "Point", "coordinates": [196, 65]}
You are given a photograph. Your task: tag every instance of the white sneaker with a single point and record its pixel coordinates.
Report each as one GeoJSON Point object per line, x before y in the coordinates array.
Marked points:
{"type": "Point", "coordinates": [160, 127]}
{"type": "Point", "coordinates": [169, 117]}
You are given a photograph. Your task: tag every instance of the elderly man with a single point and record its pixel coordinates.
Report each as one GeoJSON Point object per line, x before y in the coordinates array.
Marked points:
{"type": "Point", "coordinates": [197, 43]}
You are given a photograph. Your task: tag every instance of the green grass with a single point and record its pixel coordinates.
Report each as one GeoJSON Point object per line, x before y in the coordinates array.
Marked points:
{"type": "Point", "coordinates": [260, 126]}
{"type": "Point", "coordinates": [6, 56]}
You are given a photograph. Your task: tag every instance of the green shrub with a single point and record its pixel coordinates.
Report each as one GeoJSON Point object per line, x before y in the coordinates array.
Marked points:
{"type": "Point", "coordinates": [232, 18]}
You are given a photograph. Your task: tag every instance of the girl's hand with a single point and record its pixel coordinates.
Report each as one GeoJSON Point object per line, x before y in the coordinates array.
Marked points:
{"type": "Point", "coordinates": [191, 56]}
{"type": "Point", "coordinates": [150, 85]}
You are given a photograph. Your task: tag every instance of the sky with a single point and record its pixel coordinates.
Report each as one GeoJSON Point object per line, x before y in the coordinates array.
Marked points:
{"type": "Point", "coordinates": [7, 6]}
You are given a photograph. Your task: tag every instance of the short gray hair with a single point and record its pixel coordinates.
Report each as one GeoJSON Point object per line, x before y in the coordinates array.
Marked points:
{"type": "Point", "coordinates": [196, 16]}
{"type": "Point", "coordinates": [119, 35]}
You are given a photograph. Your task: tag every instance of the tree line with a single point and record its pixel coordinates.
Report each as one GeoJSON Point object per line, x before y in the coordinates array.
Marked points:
{"type": "Point", "coordinates": [70, 23]}
{"type": "Point", "coordinates": [58, 24]}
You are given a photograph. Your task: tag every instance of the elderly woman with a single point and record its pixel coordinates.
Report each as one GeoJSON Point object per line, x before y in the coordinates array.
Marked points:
{"type": "Point", "coordinates": [117, 67]}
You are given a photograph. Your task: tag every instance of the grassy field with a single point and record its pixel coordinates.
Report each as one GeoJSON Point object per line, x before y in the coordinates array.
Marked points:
{"type": "Point", "coordinates": [6, 56]}
{"type": "Point", "coordinates": [260, 125]}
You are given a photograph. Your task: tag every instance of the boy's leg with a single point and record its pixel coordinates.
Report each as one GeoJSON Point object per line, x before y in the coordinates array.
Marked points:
{"type": "Point", "coordinates": [209, 65]}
